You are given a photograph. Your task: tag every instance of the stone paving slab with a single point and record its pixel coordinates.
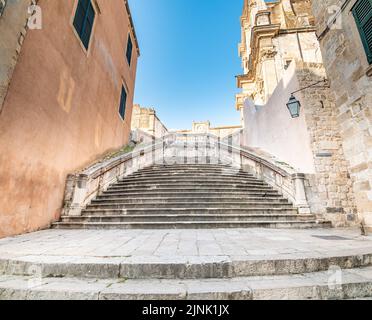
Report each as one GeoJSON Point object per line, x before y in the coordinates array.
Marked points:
{"type": "Point", "coordinates": [249, 243]}
{"type": "Point", "coordinates": [184, 254]}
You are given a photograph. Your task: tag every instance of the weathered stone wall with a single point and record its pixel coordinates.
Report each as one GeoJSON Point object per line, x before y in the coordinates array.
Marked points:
{"type": "Point", "coordinates": [329, 190]}
{"type": "Point", "coordinates": [350, 77]}
{"type": "Point", "coordinates": [311, 143]}
{"type": "Point", "coordinates": [60, 113]}
{"type": "Point", "coordinates": [145, 119]}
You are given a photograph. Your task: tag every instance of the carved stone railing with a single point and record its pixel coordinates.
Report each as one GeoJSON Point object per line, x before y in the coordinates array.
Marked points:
{"type": "Point", "coordinates": [176, 148]}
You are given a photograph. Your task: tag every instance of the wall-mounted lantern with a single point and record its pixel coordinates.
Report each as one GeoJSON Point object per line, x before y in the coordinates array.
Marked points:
{"type": "Point", "coordinates": [294, 105]}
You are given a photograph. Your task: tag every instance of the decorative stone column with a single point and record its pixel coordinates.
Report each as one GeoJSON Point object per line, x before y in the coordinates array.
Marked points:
{"type": "Point", "coordinates": [269, 75]}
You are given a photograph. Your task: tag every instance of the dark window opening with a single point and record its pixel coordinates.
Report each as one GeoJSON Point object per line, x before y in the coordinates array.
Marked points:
{"type": "Point", "coordinates": [129, 50]}
{"type": "Point", "coordinates": [123, 102]}
{"type": "Point", "coordinates": [83, 21]}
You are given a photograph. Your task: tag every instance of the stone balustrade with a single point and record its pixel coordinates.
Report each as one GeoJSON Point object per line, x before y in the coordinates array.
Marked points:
{"type": "Point", "coordinates": [176, 148]}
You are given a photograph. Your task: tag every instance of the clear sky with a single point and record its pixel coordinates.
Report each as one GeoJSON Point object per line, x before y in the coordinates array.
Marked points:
{"type": "Point", "coordinates": [189, 59]}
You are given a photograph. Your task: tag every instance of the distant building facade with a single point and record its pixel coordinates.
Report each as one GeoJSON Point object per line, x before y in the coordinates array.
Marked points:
{"type": "Point", "coordinates": [66, 98]}
{"type": "Point", "coordinates": [146, 119]}
{"type": "Point", "coordinates": [205, 127]}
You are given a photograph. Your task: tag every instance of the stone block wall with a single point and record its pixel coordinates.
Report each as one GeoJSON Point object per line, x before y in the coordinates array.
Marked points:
{"type": "Point", "coordinates": [145, 119]}
{"type": "Point", "coordinates": [350, 77]}
{"type": "Point", "coordinates": [329, 190]}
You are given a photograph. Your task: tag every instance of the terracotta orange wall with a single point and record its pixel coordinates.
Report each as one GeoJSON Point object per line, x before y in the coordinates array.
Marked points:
{"type": "Point", "coordinates": [61, 111]}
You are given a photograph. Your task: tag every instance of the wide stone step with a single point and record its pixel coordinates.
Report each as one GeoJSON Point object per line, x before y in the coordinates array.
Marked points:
{"type": "Point", "coordinates": [230, 205]}
{"type": "Point", "coordinates": [190, 225]}
{"type": "Point", "coordinates": [175, 182]}
{"type": "Point", "coordinates": [189, 194]}
{"type": "Point", "coordinates": [193, 173]}
{"type": "Point", "coordinates": [205, 168]}
{"type": "Point", "coordinates": [189, 183]}
{"type": "Point", "coordinates": [201, 173]}
{"type": "Point", "coordinates": [189, 218]}
{"type": "Point", "coordinates": [191, 167]}
{"type": "Point", "coordinates": [183, 267]}
{"type": "Point", "coordinates": [191, 177]}
{"type": "Point", "coordinates": [189, 187]}
{"type": "Point", "coordinates": [192, 181]}
{"type": "Point", "coordinates": [191, 210]}
{"type": "Point", "coordinates": [190, 199]}
{"type": "Point", "coordinates": [354, 284]}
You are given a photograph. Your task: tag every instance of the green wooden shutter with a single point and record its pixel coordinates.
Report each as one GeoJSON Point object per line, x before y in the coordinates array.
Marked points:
{"type": "Point", "coordinates": [83, 21]}
{"type": "Point", "coordinates": [362, 11]}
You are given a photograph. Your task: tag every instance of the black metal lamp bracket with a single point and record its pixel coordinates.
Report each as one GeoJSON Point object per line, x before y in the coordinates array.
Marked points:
{"type": "Point", "coordinates": [325, 81]}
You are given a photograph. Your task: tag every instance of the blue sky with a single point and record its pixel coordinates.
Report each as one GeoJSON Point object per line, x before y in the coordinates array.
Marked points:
{"type": "Point", "coordinates": [189, 59]}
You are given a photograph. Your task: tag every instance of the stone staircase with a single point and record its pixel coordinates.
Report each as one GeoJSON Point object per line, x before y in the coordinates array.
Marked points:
{"type": "Point", "coordinates": [189, 197]}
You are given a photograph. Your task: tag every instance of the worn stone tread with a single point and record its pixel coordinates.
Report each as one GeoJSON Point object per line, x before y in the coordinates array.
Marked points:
{"type": "Point", "coordinates": [352, 284]}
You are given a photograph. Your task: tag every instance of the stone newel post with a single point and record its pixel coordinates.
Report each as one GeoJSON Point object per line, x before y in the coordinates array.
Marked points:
{"type": "Point", "coordinates": [300, 194]}
{"type": "Point", "coordinates": [78, 192]}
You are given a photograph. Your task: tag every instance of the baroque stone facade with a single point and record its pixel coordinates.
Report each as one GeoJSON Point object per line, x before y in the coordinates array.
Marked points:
{"type": "Point", "coordinates": [281, 55]}
{"type": "Point", "coordinates": [273, 35]}
{"type": "Point", "coordinates": [350, 75]}
{"type": "Point", "coordinates": [205, 127]}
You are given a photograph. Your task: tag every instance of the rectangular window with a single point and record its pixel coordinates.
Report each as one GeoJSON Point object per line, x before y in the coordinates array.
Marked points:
{"type": "Point", "coordinates": [123, 103]}
{"type": "Point", "coordinates": [129, 49]}
{"type": "Point", "coordinates": [362, 11]}
{"type": "Point", "coordinates": [83, 21]}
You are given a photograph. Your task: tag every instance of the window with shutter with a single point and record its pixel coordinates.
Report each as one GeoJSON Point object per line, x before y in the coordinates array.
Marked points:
{"type": "Point", "coordinates": [83, 21]}
{"type": "Point", "coordinates": [129, 50]}
{"type": "Point", "coordinates": [123, 102]}
{"type": "Point", "coordinates": [362, 11]}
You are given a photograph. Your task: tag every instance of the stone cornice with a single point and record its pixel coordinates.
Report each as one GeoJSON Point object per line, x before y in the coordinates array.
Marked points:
{"type": "Point", "coordinates": [132, 26]}
{"type": "Point", "coordinates": [298, 30]}
{"type": "Point", "coordinates": [244, 78]}
{"type": "Point", "coordinates": [259, 32]}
